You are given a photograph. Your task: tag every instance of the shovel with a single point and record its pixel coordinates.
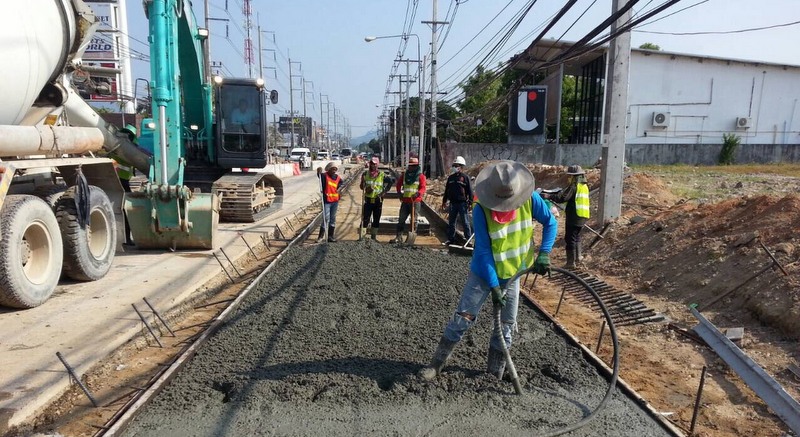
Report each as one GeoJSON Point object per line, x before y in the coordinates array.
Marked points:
{"type": "Point", "coordinates": [361, 229]}
{"type": "Point", "coordinates": [412, 234]}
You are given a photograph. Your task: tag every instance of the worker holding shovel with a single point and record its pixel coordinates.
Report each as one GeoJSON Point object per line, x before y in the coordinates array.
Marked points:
{"type": "Point", "coordinates": [329, 186]}
{"type": "Point", "coordinates": [503, 228]}
{"type": "Point", "coordinates": [411, 185]}
{"type": "Point", "coordinates": [374, 183]}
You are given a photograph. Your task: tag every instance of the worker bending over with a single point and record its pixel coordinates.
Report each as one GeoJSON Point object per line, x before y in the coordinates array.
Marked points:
{"type": "Point", "coordinates": [411, 186]}
{"type": "Point", "coordinates": [576, 197]}
{"type": "Point", "coordinates": [374, 183]}
{"type": "Point", "coordinates": [503, 222]}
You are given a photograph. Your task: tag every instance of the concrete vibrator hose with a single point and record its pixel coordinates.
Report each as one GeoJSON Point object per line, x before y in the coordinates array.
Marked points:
{"type": "Point", "coordinates": [612, 330]}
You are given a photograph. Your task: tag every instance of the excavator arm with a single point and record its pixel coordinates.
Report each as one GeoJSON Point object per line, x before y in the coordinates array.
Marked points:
{"type": "Point", "coordinates": [165, 213]}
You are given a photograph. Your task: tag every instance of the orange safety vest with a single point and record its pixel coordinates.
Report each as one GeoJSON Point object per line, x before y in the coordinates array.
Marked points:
{"type": "Point", "coordinates": [331, 185]}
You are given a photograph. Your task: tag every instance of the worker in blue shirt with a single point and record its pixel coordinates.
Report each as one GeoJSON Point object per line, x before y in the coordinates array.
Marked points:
{"type": "Point", "coordinates": [503, 227]}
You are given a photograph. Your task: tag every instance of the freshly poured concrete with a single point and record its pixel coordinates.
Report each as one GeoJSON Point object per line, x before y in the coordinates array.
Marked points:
{"type": "Point", "coordinates": [330, 344]}
{"type": "Point", "coordinates": [85, 321]}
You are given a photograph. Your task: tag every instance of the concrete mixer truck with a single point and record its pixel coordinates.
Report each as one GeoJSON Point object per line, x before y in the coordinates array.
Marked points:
{"type": "Point", "coordinates": [60, 201]}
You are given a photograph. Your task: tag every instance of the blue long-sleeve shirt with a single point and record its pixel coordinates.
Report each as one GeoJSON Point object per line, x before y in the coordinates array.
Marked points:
{"type": "Point", "coordinates": [482, 260]}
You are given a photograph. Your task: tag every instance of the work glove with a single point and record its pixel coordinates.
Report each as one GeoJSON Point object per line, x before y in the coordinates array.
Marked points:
{"type": "Point", "coordinates": [542, 264]}
{"type": "Point", "coordinates": [498, 297]}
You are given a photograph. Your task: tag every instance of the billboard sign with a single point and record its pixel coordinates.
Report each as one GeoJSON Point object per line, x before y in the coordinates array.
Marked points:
{"type": "Point", "coordinates": [302, 125]}
{"type": "Point", "coordinates": [528, 111]}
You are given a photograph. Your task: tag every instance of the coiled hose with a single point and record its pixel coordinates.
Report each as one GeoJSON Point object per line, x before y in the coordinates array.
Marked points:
{"type": "Point", "coordinates": [612, 331]}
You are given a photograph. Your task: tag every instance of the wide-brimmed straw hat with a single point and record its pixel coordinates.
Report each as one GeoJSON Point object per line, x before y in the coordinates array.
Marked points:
{"type": "Point", "coordinates": [413, 161]}
{"type": "Point", "coordinates": [575, 170]}
{"type": "Point", "coordinates": [330, 165]}
{"type": "Point", "coordinates": [504, 185]}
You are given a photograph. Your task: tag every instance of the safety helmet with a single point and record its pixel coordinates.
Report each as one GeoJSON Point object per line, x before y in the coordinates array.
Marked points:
{"type": "Point", "coordinates": [575, 170]}
{"type": "Point", "coordinates": [460, 161]}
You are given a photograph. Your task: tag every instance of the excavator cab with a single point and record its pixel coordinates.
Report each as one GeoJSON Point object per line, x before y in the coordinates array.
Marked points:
{"type": "Point", "coordinates": [241, 123]}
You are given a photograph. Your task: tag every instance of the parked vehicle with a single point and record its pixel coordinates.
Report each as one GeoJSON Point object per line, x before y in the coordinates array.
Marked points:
{"type": "Point", "coordinates": [323, 155]}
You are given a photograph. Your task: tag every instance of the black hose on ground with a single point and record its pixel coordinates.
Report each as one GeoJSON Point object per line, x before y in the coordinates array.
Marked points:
{"type": "Point", "coordinates": [611, 329]}
{"type": "Point", "coordinates": [498, 328]}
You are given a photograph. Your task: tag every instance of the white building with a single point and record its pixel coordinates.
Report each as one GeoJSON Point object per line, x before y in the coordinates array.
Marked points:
{"type": "Point", "coordinates": [678, 98]}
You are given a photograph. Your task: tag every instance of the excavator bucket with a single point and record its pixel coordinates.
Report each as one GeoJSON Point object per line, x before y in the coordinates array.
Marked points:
{"type": "Point", "coordinates": [172, 219]}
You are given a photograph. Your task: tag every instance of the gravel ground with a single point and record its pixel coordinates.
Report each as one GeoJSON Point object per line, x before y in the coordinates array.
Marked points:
{"type": "Point", "coordinates": [331, 342]}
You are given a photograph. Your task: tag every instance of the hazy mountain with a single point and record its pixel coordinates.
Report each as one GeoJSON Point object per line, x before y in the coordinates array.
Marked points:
{"type": "Point", "coordinates": [363, 138]}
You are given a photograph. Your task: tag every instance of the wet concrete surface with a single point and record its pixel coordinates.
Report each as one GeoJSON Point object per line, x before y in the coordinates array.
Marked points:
{"type": "Point", "coordinates": [331, 341]}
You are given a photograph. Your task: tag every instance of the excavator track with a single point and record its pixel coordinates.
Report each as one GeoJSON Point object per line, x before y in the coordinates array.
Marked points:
{"type": "Point", "coordinates": [247, 197]}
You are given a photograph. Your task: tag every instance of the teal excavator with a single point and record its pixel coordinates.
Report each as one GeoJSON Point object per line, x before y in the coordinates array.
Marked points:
{"type": "Point", "coordinates": [201, 129]}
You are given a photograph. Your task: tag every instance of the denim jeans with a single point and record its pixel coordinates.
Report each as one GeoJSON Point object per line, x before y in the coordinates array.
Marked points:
{"type": "Point", "coordinates": [473, 295]}
{"type": "Point", "coordinates": [458, 210]}
{"type": "Point", "coordinates": [405, 212]}
{"type": "Point", "coordinates": [330, 214]}
{"type": "Point", "coordinates": [372, 209]}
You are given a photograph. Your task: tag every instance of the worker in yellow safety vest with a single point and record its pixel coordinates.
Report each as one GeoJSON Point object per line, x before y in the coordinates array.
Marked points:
{"type": "Point", "coordinates": [375, 184]}
{"type": "Point", "coordinates": [576, 197]}
{"type": "Point", "coordinates": [503, 222]}
{"type": "Point", "coordinates": [125, 171]}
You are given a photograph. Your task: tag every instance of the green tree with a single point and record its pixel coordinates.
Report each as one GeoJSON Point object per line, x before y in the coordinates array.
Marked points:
{"type": "Point", "coordinates": [730, 142]}
{"type": "Point", "coordinates": [649, 46]}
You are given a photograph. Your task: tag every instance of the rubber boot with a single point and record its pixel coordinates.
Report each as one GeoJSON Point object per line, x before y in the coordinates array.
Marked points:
{"type": "Point", "coordinates": [570, 259]}
{"type": "Point", "coordinates": [440, 358]}
{"type": "Point", "coordinates": [578, 256]}
{"type": "Point", "coordinates": [331, 238]}
{"type": "Point", "coordinates": [374, 233]}
{"type": "Point", "coordinates": [496, 362]}
{"type": "Point", "coordinates": [398, 239]}
{"type": "Point", "coordinates": [361, 233]}
{"type": "Point", "coordinates": [321, 236]}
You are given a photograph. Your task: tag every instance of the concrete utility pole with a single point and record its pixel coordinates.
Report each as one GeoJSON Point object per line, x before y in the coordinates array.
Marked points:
{"type": "Point", "coordinates": [291, 105]}
{"type": "Point", "coordinates": [407, 151]}
{"type": "Point", "coordinates": [434, 91]}
{"type": "Point", "coordinates": [614, 150]}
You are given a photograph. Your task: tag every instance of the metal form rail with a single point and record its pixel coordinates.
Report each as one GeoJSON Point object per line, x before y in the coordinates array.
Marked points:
{"type": "Point", "coordinates": [786, 407]}
{"type": "Point", "coordinates": [624, 308]}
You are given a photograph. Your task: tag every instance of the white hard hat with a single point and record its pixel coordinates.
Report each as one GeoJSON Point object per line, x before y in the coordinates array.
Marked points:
{"type": "Point", "coordinates": [460, 160]}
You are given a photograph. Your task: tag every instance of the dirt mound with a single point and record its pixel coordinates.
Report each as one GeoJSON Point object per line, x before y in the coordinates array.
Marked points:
{"type": "Point", "coordinates": [695, 252]}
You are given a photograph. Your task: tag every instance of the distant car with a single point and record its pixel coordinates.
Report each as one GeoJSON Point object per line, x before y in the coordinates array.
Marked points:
{"type": "Point", "coordinates": [322, 155]}
{"type": "Point", "coordinates": [346, 153]}
{"type": "Point", "coordinates": [301, 155]}
{"type": "Point", "coordinates": [335, 157]}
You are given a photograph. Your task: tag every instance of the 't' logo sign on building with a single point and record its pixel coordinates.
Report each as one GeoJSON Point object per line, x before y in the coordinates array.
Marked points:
{"type": "Point", "coordinates": [528, 111]}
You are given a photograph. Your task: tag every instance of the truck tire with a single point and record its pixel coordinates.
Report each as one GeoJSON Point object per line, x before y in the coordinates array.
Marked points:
{"type": "Point", "coordinates": [50, 193]}
{"type": "Point", "coordinates": [88, 252]}
{"type": "Point", "coordinates": [31, 249]}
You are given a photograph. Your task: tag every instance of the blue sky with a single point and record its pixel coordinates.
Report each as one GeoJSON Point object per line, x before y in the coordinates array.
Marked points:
{"type": "Point", "coordinates": [327, 38]}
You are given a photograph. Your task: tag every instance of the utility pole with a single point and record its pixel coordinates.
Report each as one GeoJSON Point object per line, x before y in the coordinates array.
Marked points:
{"type": "Point", "coordinates": [434, 91]}
{"type": "Point", "coordinates": [407, 151]}
{"type": "Point", "coordinates": [613, 152]}
{"type": "Point", "coordinates": [207, 45]}
{"type": "Point", "coordinates": [291, 105]}
{"type": "Point", "coordinates": [422, 113]}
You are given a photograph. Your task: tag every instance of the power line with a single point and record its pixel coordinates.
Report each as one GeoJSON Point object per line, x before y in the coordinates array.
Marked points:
{"type": "Point", "coordinates": [725, 32]}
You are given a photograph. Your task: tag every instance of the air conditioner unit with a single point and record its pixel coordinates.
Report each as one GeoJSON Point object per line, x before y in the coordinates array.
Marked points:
{"type": "Point", "coordinates": [744, 122]}
{"type": "Point", "coordinates": [660, 119]}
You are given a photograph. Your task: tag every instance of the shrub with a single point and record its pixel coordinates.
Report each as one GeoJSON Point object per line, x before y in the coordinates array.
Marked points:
{"type": "Point", "coordinates": [729, 144]}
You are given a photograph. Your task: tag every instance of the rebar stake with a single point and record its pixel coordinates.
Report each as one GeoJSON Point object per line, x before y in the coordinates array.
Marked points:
{"type": "Point", "coordinates": [163, 322]}
{"type": "Point", "coordinates": [278, 230]}
{"type": "Point", "coordinates": [697, 400]}
{"type": "Point", "coordinates": [288, 223]}
{"type": "Point", "coordinates": [600, 337]}
{"type": "Point", "coordinates": [248, 246]}
{"type": "Point", "coordinates": [266, 242]}
{"type": "Point", "coordinates": [231, 262]}
{"type": "Point", "coordinates": [561, 299]}
{"type": "Point", "coordinates": [72, 374]}
{"type": "Point", "coordinates": [223, 267]}
{"type": "Point", "coordinates": [146, 325]}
